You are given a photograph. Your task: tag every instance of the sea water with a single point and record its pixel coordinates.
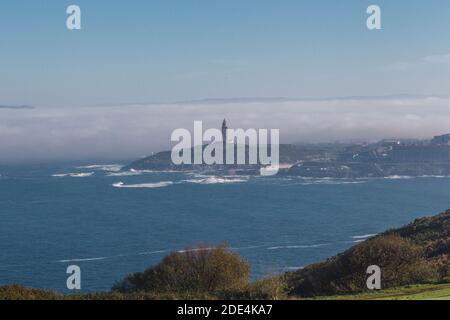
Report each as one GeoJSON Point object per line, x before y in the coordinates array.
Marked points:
{"type": "Point", "coordinates": [112, 223]}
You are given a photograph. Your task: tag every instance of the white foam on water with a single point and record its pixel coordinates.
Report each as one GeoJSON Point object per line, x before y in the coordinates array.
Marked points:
{"type": "Point", "coordinates": [134, 172]}
{"type": "Point", "coordinates": [216, 180]}
{"type": "Point", "coordinates": [328, 181]}
{"type": "Point", "coordinates": [435, 176]}
{"type": "Point", "coordinates": [397, 177]}
{"type": "Point", "coordinates": [103, 167]}
{"type": "Point", "coordinates": [299, 246]}
{"type": "Point", "coordinates": [144, 253]}
{"type": "Point", "coordinates": [364, 236]}
{"type": "Point", "coordinates": [161, 184]}
{"type": "Point", "coordinates": [83, 260]}
{"type": "Point", "coordinates": [73, 175]}
{"type": "Point", "coordinates": [269, 171]}
{"type": "Point", "coordinates": [125, 173]}
{"type": "Point", "coordinates": [195, 250]}
{"type": "Point", "coordinates": [152, 252]}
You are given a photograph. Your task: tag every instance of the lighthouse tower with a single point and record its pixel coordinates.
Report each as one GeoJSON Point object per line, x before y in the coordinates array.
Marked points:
{"type": "Point", "coordinates": [224, 130]}
{"type": "Point", "coordinates": [224, 140]}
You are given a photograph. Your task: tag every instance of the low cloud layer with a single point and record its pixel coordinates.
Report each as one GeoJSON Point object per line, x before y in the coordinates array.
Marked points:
{"type": "Point", "coordinates": [133, 131]}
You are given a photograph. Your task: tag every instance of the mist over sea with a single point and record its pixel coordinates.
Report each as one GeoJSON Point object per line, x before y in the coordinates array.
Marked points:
{"type": "Point", "coordinates": [112, 223]}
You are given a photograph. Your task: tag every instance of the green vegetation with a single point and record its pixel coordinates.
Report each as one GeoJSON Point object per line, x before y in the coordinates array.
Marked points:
{"type": "Point", "coordinates": [217, 273]}
{"type": "Point", "coordinates": [196, 270]}
{"type": "Point", "coordinates": [415, 254]}
{"type": "Point", "coordinates": [415, 292]}
{"type": "Point", "coordinates": [200, 273]}
{"type": "Point", "coordinates": [414, 261]}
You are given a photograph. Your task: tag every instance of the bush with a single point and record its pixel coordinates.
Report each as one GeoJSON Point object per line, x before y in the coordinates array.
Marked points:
{"type": "Point", "coordinates": [401, 261]}
{"type": "Point", "coordinates": [18, 292]}
{"type": "Point", "coordinates": [195, 270]}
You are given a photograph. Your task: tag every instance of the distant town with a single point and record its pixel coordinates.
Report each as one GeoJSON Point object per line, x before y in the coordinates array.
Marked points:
{"type": "Point", "coordinates": [388, 157]}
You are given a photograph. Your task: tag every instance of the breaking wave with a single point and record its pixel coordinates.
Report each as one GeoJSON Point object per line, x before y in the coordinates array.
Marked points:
{"type": "Point", "coordinates": [435, 176]}
{"type": "Point", "coordinates": [103, 167]}
{"type": "Point", "coordinates": [364, 236]}
{"type": "Point", "coordinates": [332, 183]}
{"type": "Point", "coordinates": [299, 246]}
{"type": "Point", "coordinates": [132, 172]}
{"type": "Point", "coordinates": [73, 175]}
{"type": "Point", "coordinates": [161, 184]}
{"type": "Point", "coordinates": [83, 260]}
{"type": "Point", "coordinates": [216, 180]}
{"type": "Point", "coordinates": [327, 181]}
{"type": "Point", "coordinates": [397, 177]}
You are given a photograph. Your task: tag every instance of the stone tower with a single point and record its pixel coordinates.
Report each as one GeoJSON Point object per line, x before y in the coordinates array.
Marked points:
{"type": "Point", "coordinates": [224, 139]}
{"type": "Point", "coordinates": [224, 130]}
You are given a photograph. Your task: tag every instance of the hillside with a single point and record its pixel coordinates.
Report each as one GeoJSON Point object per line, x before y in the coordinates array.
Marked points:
{"type": "Point", "coordinates": [414, 254]}
{"type": "Point", "coordinates": [289, 154]}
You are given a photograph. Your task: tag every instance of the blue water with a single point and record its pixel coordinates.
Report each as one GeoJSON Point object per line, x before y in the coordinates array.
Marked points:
{"type": "Point", "coordinates": [50, 220]}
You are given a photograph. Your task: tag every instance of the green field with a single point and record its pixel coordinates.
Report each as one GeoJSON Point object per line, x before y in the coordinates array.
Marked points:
{"type": "Point", "coordinates": [416, 292]}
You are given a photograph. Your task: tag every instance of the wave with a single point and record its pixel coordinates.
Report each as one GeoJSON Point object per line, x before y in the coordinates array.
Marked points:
{"type": "Point", "coordinates": [434, 176]}
{"type": "Point", "coordinates": [161, 184]}
{"type": "Point", "coordinates": [216, 180]}
{"type": "Point", "coordinates": [83, 260]}
{"type": "Point", "coordinates": [103, 167]}
{"type": "Point", "coordinates": [195, 250]}
{"type": "Point", "coordinates": [330, 182]}
{"type": "Point", "coordinates": [364, 236]}
{"type": "Point", "coordinates": [125, 173]}
{"type": "Point", "coordinates": [299, 246]}
{"type": "Point", "coordinates": [151, 252]}
{"type": "Point", "coordinates": [134, 172]}
{"type": "Point", "coordinates": [397, 177]}
{"type": "Point", "coordinates": [73, 175]}
{"type": "Point", "coordinates": [265, 246]}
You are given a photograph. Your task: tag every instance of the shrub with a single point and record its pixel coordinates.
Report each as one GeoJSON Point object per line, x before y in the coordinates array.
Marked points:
{"type": "Point", "coordinates": [401, 261]}
{"type": "Point", "coordinates": [195, 270]}
{"type": "Point", "coordinates": [18, 292]}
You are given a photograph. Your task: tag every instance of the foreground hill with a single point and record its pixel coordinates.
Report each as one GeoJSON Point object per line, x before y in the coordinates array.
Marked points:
{"type": "Point", "coordinates": [414, 254]}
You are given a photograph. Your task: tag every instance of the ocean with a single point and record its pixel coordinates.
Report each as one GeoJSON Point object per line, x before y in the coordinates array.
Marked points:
{"type": "Point", "coordinates": [112, 223]}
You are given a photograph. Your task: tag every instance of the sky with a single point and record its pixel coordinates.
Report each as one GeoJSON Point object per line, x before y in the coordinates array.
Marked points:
{"type": "Point", "coordinates": [159, 51]}
{"type": "Point", "coordinates": [162, 51]}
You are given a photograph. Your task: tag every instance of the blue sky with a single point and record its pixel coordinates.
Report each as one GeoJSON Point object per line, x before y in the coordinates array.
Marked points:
{"type": "Point", "coordinates": [142, 51]}
{"type": "Point", "coordinates": [155, 51]}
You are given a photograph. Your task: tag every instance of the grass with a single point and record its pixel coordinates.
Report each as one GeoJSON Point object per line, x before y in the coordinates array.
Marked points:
{"type": "Point", "coordinates": [415, 292]}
